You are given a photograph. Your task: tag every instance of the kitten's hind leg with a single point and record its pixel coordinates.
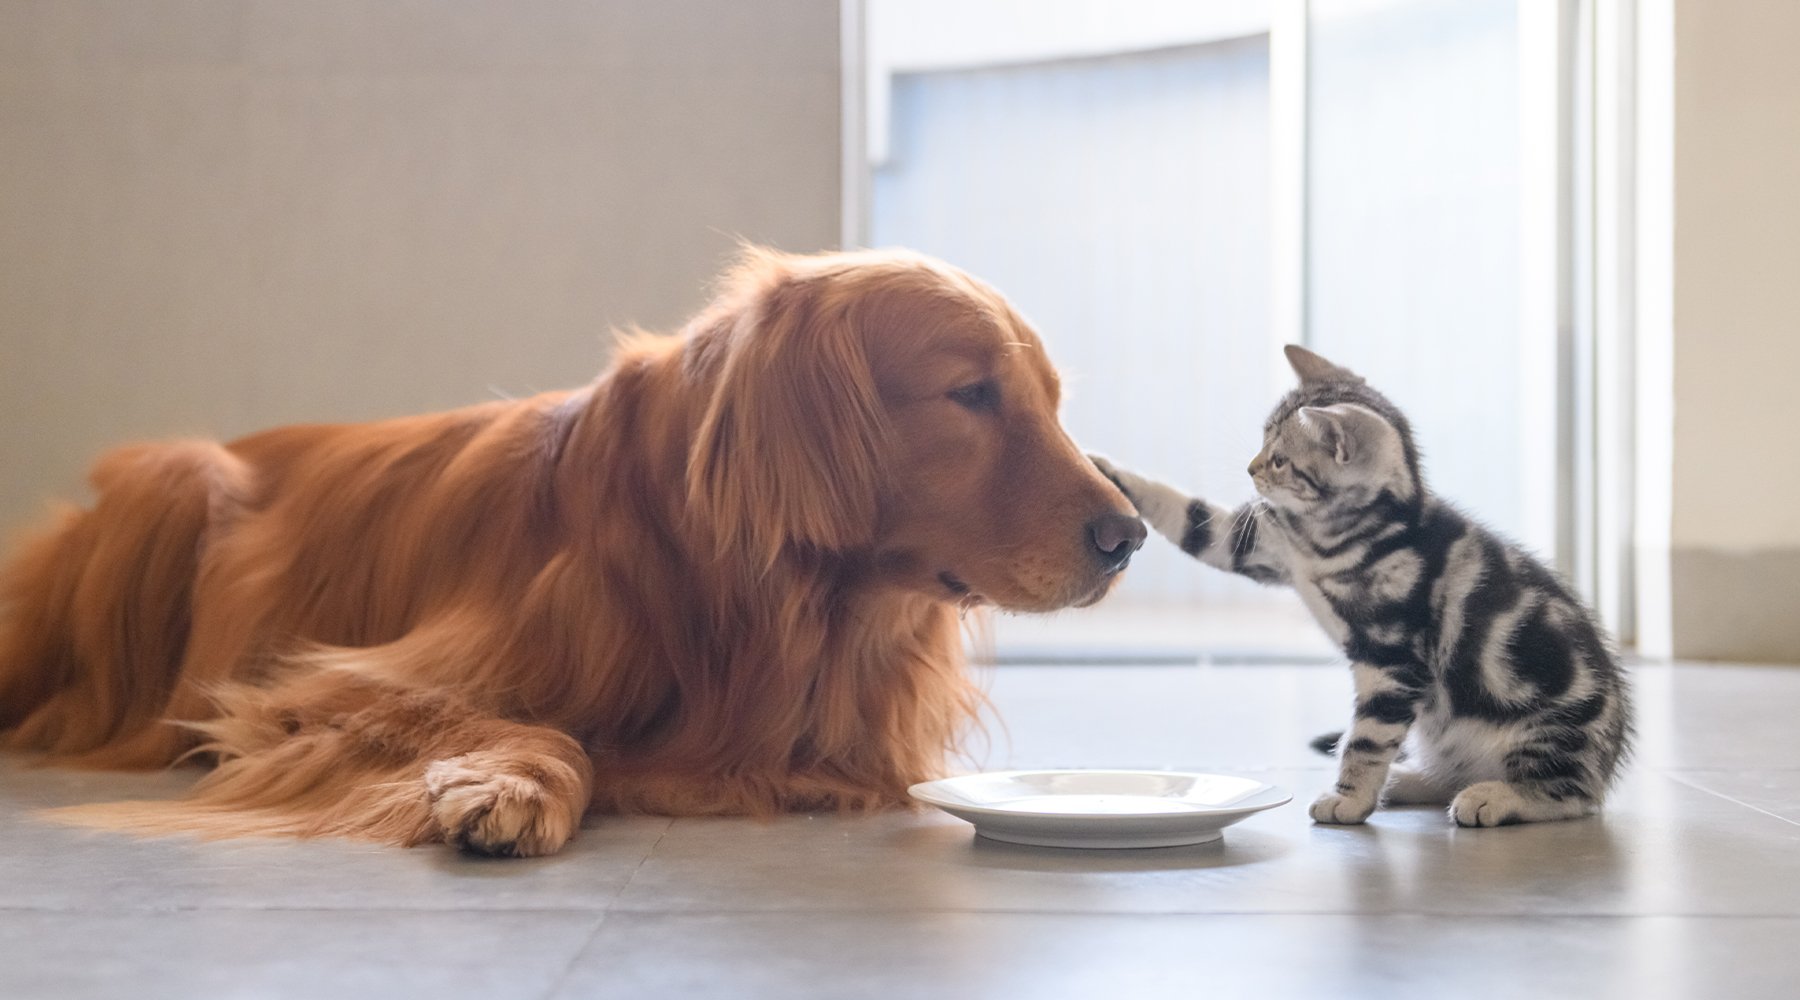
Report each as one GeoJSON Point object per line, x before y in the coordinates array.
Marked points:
{"type": "Point", "coordinates": [1552, 771]}
{"type": "Point", "coordinates": [1503, 803]}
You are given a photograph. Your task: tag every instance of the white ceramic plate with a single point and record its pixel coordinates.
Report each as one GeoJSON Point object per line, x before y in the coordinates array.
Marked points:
{"type": "Point", "coordinates": [1100, 808]}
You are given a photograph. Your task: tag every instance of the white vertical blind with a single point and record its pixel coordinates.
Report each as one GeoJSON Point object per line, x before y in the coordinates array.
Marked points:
{"type": "Point", "coordinates": [1123, 204]}
{"type": "Point", "coordinates": [1413, 235]}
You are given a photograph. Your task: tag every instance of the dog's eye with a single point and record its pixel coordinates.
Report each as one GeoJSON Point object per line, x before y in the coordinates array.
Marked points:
{"type": "Point", "coordinates": [982, 396]}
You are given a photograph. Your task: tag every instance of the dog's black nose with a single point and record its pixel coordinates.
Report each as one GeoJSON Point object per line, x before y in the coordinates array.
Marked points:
{"type": "Point", "coordinates": [1116, 537]}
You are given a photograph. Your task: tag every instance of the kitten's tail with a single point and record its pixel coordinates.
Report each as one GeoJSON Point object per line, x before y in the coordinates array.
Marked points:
{"type": "Point", "coordinates": [1328, 745]}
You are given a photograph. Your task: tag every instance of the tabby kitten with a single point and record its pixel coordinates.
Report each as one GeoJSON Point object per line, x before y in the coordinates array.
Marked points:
{"type": "Point", "coordinates": [1513, 700]}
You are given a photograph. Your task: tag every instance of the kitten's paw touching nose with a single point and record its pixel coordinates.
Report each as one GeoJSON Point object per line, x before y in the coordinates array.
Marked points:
{"type": "Point", "coordinates": [1119, 477]}
{"type": "Point", "coordinates": [1333, 807]}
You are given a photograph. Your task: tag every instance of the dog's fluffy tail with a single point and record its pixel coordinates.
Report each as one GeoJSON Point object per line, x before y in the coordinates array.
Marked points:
{"type": "Point", "coordinates": [95, 609]}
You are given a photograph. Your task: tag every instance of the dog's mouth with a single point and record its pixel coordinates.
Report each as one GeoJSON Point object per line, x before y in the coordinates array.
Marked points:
{"type": "Point", "coordinates": [1100, 589]}
{"type": "Point", "coordinates": [964, 595]}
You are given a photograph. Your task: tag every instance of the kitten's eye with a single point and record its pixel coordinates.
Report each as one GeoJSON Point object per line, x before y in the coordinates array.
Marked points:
{"type": "Point", "coordinates": [982, 396]}
{"type": "Point", "coordinates": [1278, 461]}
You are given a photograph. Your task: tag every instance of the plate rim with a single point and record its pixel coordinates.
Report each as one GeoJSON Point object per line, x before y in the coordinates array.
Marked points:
{"type": "Point", "coordinates": [920, 791]}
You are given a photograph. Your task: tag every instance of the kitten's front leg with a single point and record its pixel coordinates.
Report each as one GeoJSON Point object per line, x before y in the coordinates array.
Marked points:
{"type": "Point", "coordinates": [1385, 708]}
{"type": "Point", "coordinates": [1225, 539]}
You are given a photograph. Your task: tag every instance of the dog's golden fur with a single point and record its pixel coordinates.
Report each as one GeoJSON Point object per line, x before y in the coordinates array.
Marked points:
{"type": "Point", "coordinates": [723, 578]}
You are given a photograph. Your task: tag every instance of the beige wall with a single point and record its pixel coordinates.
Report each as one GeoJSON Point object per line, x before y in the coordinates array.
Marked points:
{"type": "Point", "coordinates": [218, 215]}
{"type": "Point", "coordinates": [1735, 520]}
{"type": "Point", "coordinates": [1737, 256]}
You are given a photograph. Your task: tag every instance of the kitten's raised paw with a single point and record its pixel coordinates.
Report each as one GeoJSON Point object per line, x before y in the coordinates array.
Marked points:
{"type": "Point", "coordinates": [1488, 803]}
{"type": "Point", "coordinates": [1333, 807]}
{"type": "Point", "coordinates": [1108, 470]}
{"type": "Point", "coordinates": [1129, 483]}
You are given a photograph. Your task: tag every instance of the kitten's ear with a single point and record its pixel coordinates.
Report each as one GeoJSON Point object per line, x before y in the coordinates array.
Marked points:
{"type": "Point", "coordinates": [1334, 427]}
{"type": "Point", "coordinates": [1312, 368]}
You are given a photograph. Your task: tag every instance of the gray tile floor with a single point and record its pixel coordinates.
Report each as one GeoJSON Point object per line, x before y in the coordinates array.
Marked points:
{"type": "Point", "coordinates": [1689, 886]}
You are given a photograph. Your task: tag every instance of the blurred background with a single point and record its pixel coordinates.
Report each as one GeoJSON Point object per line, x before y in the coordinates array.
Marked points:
{"type": "Point", "coordinates": [1561, 233]}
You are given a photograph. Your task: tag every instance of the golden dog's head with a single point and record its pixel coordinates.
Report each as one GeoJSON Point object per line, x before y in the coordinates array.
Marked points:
{"type": "Point", "coordinates": [889, 406]}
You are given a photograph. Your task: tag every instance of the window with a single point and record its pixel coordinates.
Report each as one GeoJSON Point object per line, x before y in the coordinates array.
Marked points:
{"type": "Point", "coordinates": [1170, 191]}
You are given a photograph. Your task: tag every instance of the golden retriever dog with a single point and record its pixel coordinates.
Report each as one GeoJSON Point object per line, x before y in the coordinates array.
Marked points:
{"type": "Point", "coordinates": [723, 578]}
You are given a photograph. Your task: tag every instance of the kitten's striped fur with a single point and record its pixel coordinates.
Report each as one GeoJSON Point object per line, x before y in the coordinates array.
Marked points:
{"type": "Point", "coordinates": [1504, 689]}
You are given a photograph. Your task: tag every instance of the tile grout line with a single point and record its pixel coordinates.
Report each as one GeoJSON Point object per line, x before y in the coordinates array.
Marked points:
{"type": "Point", "coordinates": [1208, 914]}
{"type": "Point", "coordinates": [626, 885]}
{"type": "Point", "coordinates": [1722, 795]}
{"type": "Point", "coordinates": [568, 968]}
{"type": "Point", "coordinates": [141, 909]}
{"type": "Point", "coordinates": [601, 916]}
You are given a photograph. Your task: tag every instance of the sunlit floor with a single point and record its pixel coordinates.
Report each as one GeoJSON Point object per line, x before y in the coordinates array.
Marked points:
{"type": "Point", "coordinates": [1689, 886]}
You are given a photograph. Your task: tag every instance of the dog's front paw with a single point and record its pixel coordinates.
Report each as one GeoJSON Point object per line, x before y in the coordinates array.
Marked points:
{"type": "Point", "coordinates": [1334, 807]}
{"type": "Point", "coordinates": [481, 808]}
{"type": "Point", "coordinates": [1487, 803]}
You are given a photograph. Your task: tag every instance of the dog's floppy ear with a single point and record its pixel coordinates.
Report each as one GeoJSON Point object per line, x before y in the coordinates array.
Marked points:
{"type": "Point", "coordinates": [788, 452]}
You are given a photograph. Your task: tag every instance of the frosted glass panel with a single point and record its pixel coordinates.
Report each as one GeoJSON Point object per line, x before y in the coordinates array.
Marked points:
{"type": "Point", "coordinates": [1123, 204]}
{"type": "Point", "coordinates": [1413, 229]}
